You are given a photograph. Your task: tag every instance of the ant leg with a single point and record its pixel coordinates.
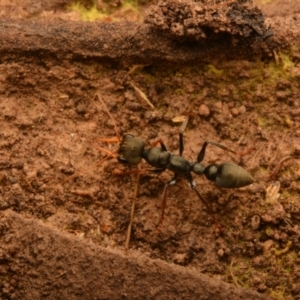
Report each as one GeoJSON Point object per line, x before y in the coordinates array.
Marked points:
{"type": "Point", "coordinates": [139, 171]}
{"type": "Point", "coordinates": [109, 153]}
{"type": "Point", "coordinates": [181, 147]}
{"type": "Point", "coordinates": [171, 182]}
{"type": "Point", "coordinates": [193, 186]}
{"type": "Point", "coordinates": [203, 149]}
{"type": "Point", "coordinates": [162, 145]}
{"type": "Point", "coordinates": [108, 140]}
{"type": "Point", "coordinates": [135, 194]}
{"type": "Point", "coordinates": [210, 212]}
{"type": "Point", "coordinates": [201, 198]}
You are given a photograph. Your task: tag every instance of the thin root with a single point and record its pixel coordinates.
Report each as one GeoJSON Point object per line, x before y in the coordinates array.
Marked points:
{"type": "Point", "coordinates": [234, 279]}
{"type": "Point", "coordinates": [142, 95]}
{"type": "Point", "coordinates": [109, 114]}
{"type": "Point", "coordinates": [278, 166]}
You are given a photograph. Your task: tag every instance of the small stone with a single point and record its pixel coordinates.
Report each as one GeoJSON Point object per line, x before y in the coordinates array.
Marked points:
{"type": "Point", "coordinates": [296, 289]}
{"type": "Point", "coordinates": [204, 110]}
{"type": "Point", "coordinates": [258, 261]}
{"type": "Point", "coordinates": [235, 111]}
{"type": "Point", "coordinates": [255, 221]}
{"type": "Point", "coordinates": [31, 174]}
{"type": "Point", "coordinates": [67, 170]}
{"type": "Point", "coordinates": [227, 251]}
{"type": "Point", "coordinates": [180, 258]}
{"type": "Point", "coordinates": [81, 109]}
{"type": "Point", "coordinates": [220, 252]}
{"type": "Point", "coordinates": [218, 105]}
{"type": "Point", "coordinates": [242, 109]}
{"type": "Point", "coordinates": [267, 245]}
{"type": "Point", "coordinates": [16, 188]}
{"type": "Point", "coordinates": [282, 95]}
{"type": "Point", "coordinates": [262, 288]}
{"type": "Point", "coordinates": [189, 87]}
{"type": "Point", "coordinates": [13, 179]}
{"type": "Point", "coordinates": [39, 198]}
{"type": "Point", "coordinates": [244, 74]}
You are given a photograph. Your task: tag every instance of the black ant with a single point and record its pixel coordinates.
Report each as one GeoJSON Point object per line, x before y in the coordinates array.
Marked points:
{"type": "Point", "coordinates": [226, 175]}
{"type": "Point", "coordinates": [132, 150]}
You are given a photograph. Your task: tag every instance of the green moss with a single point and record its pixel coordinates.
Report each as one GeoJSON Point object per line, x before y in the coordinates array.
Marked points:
{"type": "Point", "coordinates": [92, 13]}
{"type": "Point", "coordinates": [278, 294]}
{"type": "Point", "coordinates": [263, 122]}
{"type": "Point", "coordinates": [214, 70]}
{"type": "Point", "coordinates": [234, 274]}
{"type": "Point", "coordinates": [87, 14]}
{"type": "Point", "coordinates": [179, 91]}
{"type": "Point", "coordinates": [132, 4]}
{"type": "Point", "coordinates": [287, 63]}
{"type": "Point", "coordinates": [290, 196]}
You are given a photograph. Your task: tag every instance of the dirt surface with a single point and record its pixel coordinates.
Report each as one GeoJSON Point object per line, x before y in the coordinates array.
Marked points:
{"type": "Point", "coordinates": [108, 273]}
{"type": "Point", "coordinates": [203, 20]}
{"type": "Point", "coordinates": [50, 121]}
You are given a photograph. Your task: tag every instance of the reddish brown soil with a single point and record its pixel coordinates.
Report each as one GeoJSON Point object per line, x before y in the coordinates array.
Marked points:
{"type": "Point", "coordinates": [50, 122]}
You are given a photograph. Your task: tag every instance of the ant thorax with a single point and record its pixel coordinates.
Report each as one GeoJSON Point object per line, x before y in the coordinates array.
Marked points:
{"type": "Point", "coordinates": [179, 164]}
{"type": "Point", "coordinates": [157, 157]}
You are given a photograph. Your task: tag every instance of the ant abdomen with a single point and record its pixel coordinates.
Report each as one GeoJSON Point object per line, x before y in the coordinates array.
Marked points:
{"type": "Point", "coordinates": [228, 175]}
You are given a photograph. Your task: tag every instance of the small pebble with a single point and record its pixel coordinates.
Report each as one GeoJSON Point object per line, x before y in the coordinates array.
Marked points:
{"type": "Point", "coordinates": [235, 111]}
{"type": "Point", "coordinates": [204, 110]}
{"type": "Point", "coordinates": [242, 109]}
{"type": "Point", "coordinates": [180, 258]}
{"type": "Point", "coordinates": [220, 253]}
{"type": "Point", "coordinates": [81, 109]}
{"type": "Point", "coordinates": [218, 105]}
{"type": "Point", "coordinates": [255, 221]}
{"type": "Point", "coordinates": [267, 245]}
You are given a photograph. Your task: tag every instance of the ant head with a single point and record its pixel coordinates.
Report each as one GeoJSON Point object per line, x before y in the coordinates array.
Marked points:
{"type": "Point", "coordinates": [131, 150]}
